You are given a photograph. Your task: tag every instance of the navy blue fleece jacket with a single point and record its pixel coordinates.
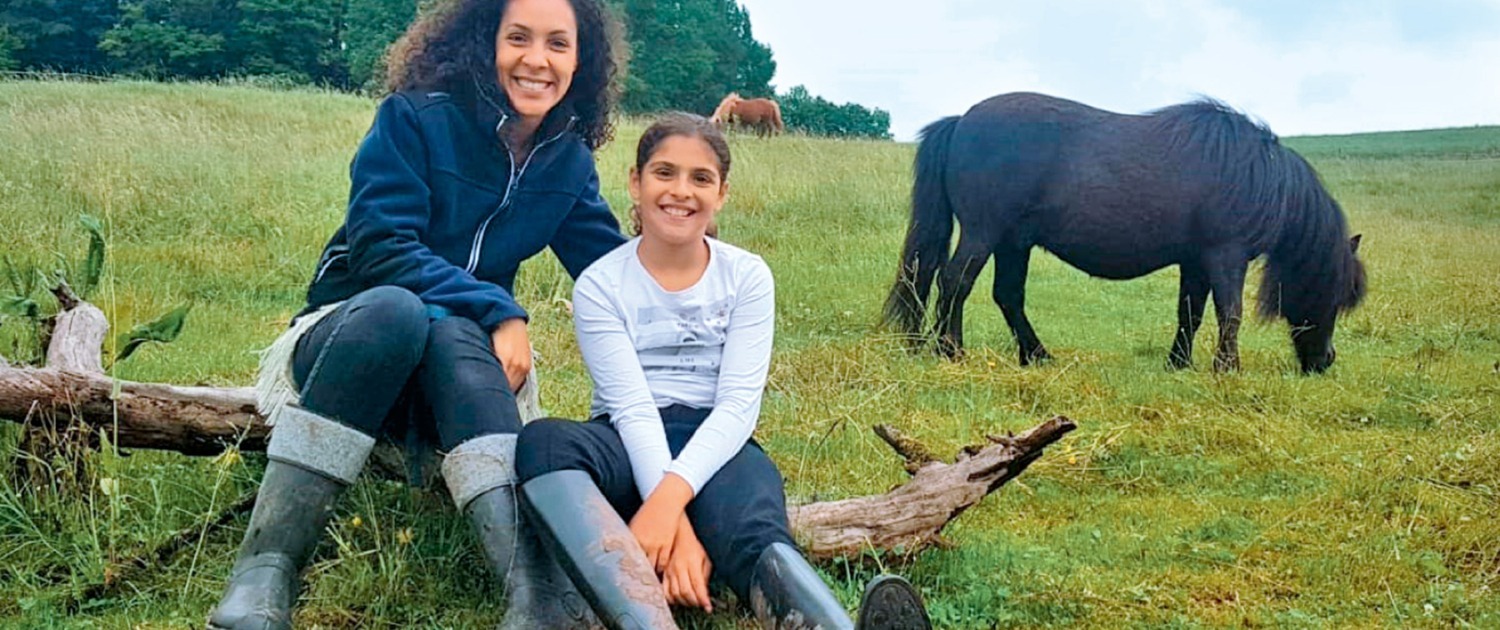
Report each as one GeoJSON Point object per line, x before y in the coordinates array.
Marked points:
{"type": "Point", "coordinates": [438, 206]}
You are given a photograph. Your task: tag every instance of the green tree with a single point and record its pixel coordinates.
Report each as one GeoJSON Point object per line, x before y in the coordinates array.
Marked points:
{"type": "Point", "coordinates": [816, 115]}
{"type": "Point", "coordinates": [297, 39]}
{"type": "Point", "coordinates": [173, 38]}
{"type": "Point", "coordinates": [9, 44]}
{"type": "Point", "coordinates": [57, 34]}
{"type": "Point", "coordinates": [687, 54]}
{"type": "Point", "coordinates": [369, 28]}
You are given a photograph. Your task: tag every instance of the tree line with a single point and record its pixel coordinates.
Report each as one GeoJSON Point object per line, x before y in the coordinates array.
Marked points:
{"type": "Point", "coordinates": [685, 54]}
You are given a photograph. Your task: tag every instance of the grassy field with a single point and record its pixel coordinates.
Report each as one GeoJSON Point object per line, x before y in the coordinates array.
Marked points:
{"type": "Point", "coordinates": [1366, 497]}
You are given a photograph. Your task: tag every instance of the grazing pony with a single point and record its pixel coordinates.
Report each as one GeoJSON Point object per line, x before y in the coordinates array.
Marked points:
{"type": "Point", "coordinates": [761, 114]}
{"type": "Point", "coordinates": [1196, 185]}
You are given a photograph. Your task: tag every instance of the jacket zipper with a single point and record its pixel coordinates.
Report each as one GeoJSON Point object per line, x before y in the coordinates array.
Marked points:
{"type": "Point", "coordinates": [510, 185]}
{"type": "Point", "coordinates": [334, 253]}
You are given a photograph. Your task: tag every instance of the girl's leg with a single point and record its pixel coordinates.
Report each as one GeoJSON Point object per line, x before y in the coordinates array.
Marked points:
{"type": "Point", "coordinates": [577, 481]}
{"type": "Point", "coordinates": [351, 365]}
{"type": "Point", "coordinates": [740, 516]}
{"type": "Point", "coordinates": [739, 513]}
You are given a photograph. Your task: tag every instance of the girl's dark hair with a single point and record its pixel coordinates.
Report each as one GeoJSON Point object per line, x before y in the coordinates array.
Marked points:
{"type": "Point", "coordinates": [451, 48]}
{"type": "Point", "coordinates": [675, 124]}
{"type": "Point", "coordinates": [683, 124]}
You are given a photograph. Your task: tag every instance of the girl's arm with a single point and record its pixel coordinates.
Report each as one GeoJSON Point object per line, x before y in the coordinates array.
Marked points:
{"type": "Point", "coordinates": [387, 219]}
{"type": "Point", "coordinates": [742, 379]}
{"type": "Point", "coordinates": [619, 381]}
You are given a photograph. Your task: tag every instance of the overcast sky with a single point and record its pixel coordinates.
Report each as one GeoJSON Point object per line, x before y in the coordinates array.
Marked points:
{"type": "Point", "coordinates": [1303, 66]}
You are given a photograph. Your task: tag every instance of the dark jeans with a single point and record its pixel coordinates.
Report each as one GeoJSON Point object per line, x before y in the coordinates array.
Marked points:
{"type": "Point", "coordinates": [737, 514]}
{"type": "Point", "coordinates": [381, 359]}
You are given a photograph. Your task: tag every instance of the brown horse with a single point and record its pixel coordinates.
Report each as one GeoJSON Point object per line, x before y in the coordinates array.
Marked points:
{"type": "Point", "coordinates": [761, 114]}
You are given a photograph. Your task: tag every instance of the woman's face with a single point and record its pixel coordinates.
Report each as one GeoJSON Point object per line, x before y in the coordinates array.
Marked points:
{"type": "Point", "coordinates": [678, 191]}
{"type": "Point", "coordinates": [536, 54]}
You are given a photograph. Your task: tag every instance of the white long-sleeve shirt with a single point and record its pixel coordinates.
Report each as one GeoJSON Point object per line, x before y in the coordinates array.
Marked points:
{"type": "Point", "coordinates": [707, 346]}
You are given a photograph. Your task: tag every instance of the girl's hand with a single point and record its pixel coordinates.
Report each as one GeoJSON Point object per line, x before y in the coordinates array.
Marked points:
{"type": "Point", "coordinates": [513, 349]}
{"type": "Point", "coordinates": [655, 525]}
{"type": "Point", "coordinates": [655, 528]}
{"type": "Point", "coordinates": [685, 582]}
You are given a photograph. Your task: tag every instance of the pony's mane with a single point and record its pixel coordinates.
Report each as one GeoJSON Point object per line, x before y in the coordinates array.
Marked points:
{"type": "Point", "coordinates": [1281, 204]}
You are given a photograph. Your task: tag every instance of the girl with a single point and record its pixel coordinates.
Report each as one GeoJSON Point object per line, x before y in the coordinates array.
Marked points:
{"type": "Point", "coordinates": [480, 156]}
{"type": "Point", "coordinates": [676, 330]}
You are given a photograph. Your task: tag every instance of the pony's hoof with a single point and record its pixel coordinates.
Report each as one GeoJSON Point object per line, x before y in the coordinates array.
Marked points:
{"type": "Point", "coordinates": [1038, 356]}
{"type": "Point", "coordinates": [1226, 364]}
{"type": "Point", "coordinates": [1178, 362]}
{"type": "Point", "coordinates": [949, 350]}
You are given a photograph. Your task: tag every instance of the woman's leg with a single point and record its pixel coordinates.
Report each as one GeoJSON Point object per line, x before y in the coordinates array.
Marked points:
{"type": "Point", "coordinates": [465, 388]}
{"type": "Point", "coordinates": [577, 481]}
{"type": "Point", "coordinates": [464, 384]}
{"type": "Point", "coordinates": [351, 367]}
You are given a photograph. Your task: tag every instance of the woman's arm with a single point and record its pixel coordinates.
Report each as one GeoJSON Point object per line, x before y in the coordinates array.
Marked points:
{"type": "Point", "coordinates": [588, 232]}
{"type": "Point", "coordinates": [388, 213]}
{"type": "Point", "coordinates": [742, 379]}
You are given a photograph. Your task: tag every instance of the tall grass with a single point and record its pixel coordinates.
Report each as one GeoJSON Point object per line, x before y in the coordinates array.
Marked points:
{"type": "Point", "coordinates": [1369, 496]}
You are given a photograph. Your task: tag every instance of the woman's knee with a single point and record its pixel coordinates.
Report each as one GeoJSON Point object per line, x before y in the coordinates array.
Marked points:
{"type": "Point", "coordinates": [451, 338]}
{"type": "Point", "coordinates": [459, 355]}
{"type": "Point", "coordinates": [395, 316]}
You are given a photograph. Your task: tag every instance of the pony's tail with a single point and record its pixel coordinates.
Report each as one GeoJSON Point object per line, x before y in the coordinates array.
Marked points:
{"type": "Point", "coordinates": [927, 235]}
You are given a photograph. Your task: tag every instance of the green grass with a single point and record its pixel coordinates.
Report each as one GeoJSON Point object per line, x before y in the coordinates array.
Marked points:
{"type": "Point", "coordinates": [1366, 497]}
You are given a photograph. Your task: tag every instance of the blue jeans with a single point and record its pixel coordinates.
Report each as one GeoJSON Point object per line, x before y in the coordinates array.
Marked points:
{"type": "Point", "coordinates": [382, 360]}
{"type": "Point", "coordinates": [737, 514]}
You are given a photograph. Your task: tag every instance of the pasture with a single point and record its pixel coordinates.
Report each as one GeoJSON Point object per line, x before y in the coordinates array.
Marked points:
{"type": "Point", "coordinates": [1365, 497]}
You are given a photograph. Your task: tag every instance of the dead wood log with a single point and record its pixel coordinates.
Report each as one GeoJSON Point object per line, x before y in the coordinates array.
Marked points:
{"type": "Point", "coordinates": [77, 335]}
{"type": "Point", "coordinates": [912, 516]}
{"type": "Point", "coordinates": [207, 420]}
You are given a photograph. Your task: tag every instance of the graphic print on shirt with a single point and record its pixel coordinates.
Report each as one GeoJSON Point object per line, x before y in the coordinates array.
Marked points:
{"type": "Point", "coordinates": [681, 338]}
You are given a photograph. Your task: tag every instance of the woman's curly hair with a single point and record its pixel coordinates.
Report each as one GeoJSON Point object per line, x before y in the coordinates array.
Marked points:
{"type": "Point", "coordinates": [451, 48]}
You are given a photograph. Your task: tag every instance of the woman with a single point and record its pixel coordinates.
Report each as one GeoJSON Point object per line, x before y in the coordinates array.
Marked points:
{"type": "Point", "coordinates": [480, 157]}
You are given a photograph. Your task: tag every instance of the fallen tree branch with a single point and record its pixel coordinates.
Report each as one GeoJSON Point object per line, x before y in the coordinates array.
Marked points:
{"type": "Point", "coordinates": [913, 515]}
{"type": "Point", "coordinates": [207, 420]}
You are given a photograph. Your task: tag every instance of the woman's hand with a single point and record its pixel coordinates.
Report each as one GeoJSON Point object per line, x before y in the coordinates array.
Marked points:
{"type": "Point", "coordinates": [655, 525]}
{"type": "Point", "coordinates": [513, 349]}
{"type": "Point", "coordinates": [685, 582]}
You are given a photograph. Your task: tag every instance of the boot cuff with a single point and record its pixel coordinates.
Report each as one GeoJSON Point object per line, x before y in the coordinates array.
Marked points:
{"type": "Point", "coordinates": [480, 465]}
{"type": "Point", "coordinates": [306, 439]}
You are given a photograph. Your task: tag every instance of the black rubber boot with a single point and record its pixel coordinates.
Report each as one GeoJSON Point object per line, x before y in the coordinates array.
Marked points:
{"type": "Point", "coordinates": [537, 592]}
{"type": "Point", "coordinates": [786, 593]}
{"type": "Point", "coordinates": [892, 603]}
{"type": "Point", "coordinates": [312, 460]}
{"type": "Point", "coordinates": [596, 549]}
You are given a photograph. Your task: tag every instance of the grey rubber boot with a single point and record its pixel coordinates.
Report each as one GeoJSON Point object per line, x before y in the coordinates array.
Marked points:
{"type": "Point", "coordinates": [786, 593]}
{"type": "Point", "coordinates": [596, 549]}
{"type": "Point", "coordinates": [312, 460]}
{"type": "Point", "coordinates": [481, 477]}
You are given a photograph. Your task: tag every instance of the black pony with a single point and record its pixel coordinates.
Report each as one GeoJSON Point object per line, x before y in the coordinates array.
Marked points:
{"type": "Point", "coordinates": [1196, 185]}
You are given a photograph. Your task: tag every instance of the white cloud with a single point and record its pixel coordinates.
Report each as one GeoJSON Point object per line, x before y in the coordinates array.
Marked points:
{"type": "Point", "coordinates": [1344, 68]}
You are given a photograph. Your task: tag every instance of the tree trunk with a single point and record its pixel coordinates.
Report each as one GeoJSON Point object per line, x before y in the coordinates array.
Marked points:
{"type": "Point", "coordinates": [207, 420]}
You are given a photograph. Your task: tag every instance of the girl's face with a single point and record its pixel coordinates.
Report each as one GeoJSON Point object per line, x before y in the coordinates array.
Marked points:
{"type": "Point", "coordinates": [679, 191]}
{"type": "Point", "coordinates": [536, 54]}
